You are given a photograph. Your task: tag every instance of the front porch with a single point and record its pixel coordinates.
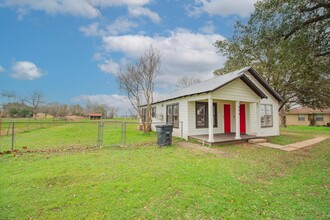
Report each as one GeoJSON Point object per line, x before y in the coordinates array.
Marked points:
{"type": "Point", "coordinates": [222, 138]}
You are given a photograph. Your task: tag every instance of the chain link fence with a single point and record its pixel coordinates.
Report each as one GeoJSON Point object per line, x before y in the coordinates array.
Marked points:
{"type": "Point", "coordinates": [61, 134]}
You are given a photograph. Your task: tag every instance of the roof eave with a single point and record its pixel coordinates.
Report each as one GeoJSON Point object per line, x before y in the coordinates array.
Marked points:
{"type": "Point", "coordinates": [265, 84]}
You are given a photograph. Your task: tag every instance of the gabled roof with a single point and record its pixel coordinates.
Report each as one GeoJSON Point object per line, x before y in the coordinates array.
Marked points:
{"type": "Point", "coordinates": [306, 110]}
{"type": "Point", "coordinates": [219, 81]}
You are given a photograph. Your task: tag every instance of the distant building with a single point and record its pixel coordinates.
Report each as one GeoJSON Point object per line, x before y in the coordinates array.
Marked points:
{"type": "Point", "coordinates": [94, 116]}
{"type": "Point", "coordinates": [304, 115]}
{"type": "Point", "coordinates": [42, 115]}
{"type": "Point", "coordinates": [74, 118]}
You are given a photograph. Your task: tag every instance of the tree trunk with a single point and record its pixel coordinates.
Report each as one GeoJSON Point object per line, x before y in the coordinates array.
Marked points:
{"type": "Point", "coordinates": [0, 122]}
{"type": "Point", "coordinates": [148, 122]}
{"type": "Point", "coordinates": [312, 120]}
{"type": "Point", "coordinates": [283, 117]}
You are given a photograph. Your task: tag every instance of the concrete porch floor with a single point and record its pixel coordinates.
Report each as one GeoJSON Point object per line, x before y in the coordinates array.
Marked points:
{"type": "Point", "coordinates": [222, 138]}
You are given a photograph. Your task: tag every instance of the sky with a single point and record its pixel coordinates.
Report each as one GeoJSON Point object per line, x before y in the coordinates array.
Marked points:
{"type": "Point", "coordinates": [71, 52]}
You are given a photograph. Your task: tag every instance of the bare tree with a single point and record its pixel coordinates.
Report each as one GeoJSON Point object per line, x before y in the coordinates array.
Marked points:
{"type": "Point", "coordinates": [132, 113]}
{"type": "Point", "coordinates": [35, 99]}
{"type": "Point", "coordinates": [76, 110]}
{"type": "Point", "coordinates": [137, 82]}
{"type": "Point", "coordinates": [9, 95]}
{"type": "Point", "coordinates": [93, 107]}
{"type": "Point", "coordinates": [187, 81]}
{"type": "Point", "coordinates": [111, 111]}
{"type": "Point", "coordinates": [53, 109]}
{"type": "Point", "coordinates": [63, 110]}
{"type": "Point", "coordinates": [93, 6]}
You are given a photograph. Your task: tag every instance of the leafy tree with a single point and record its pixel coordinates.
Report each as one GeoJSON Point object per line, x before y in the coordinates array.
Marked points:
{"type": "Point", "coordinates": [18, 110]}
{"type": "Point", "coordinates": [288, 43]}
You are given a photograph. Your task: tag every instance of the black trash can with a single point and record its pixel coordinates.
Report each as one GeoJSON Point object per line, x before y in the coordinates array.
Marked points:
{"type": "Point", "coordinates": [164, 134]}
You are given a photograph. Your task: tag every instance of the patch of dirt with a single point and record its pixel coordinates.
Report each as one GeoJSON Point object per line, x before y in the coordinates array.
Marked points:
{"type": "Point", "coordinates": [49, 150]}
{"type": "Point", "coordinates": [198, 147]}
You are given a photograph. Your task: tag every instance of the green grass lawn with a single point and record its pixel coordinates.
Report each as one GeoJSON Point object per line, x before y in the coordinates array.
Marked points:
{"type": "Point", "coordinates": [149, 182]}
{"type": "Point", "coordinates": [285, 139]}
{"type": "Point", "coordinates": [293, 134]}
{"type": "Point", "coordinates": [167, 183]}
{"type": "Point", "coordinates": [309, 130]}
{"type": "Point", "coordinates": [44, 135]}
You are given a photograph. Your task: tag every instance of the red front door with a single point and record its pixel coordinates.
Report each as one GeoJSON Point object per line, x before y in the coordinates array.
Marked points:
{"type": "Point", "coordinates": [226, 111]}
{"type": "Point", "coordinates": [242, 118]}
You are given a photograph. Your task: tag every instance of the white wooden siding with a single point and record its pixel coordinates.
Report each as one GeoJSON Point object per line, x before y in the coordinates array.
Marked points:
{"type": "Point", "coordinates": [236, 90]}
{"type": "Point", "coordinates": [253, 118]}
{"type": "Point", "coordinates": [228, 94]}
{"type": "Point", "coordinates": [161, 110]}
{"type": "Point", "coordinates": [269, 131]}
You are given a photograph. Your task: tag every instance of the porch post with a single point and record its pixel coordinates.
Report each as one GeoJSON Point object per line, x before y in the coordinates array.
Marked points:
{"type": "Point", "coordinates": [210, 116]}
{"type": "Point", "coordinates": [258, 118]}
{"type": "Point", "coordinates": [237, 119]}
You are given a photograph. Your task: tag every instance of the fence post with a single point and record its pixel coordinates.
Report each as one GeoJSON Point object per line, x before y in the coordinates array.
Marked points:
{"type": "Point", "coordinates": [13, 136]}
{"type": "Point", "coordinates": [123, 134]}
{"type": "Point", "coordinates": [100, 134]}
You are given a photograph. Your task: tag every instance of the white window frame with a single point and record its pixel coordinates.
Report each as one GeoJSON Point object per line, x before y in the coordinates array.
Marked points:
{"type": "Point", "coordinates": [172, 115]}
{"type": "Point", "coordinates": [301, 117]}
{"type": "Point", "coordinates": [319, 118]}
{"type": "Point", "coordinates": [266, 115]}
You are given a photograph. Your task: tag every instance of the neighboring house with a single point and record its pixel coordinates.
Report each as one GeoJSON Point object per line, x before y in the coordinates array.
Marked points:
{"type": "Point", "coordinates": [241, 105]}
{"type": "Point", "coordinates": [94, 116]}
{"type": "Point", "coordinates": [303, 116]}
{"type": "Point", "coordinates": [43, 115]}
{"type": "Point", "coordinates": [74, 117]}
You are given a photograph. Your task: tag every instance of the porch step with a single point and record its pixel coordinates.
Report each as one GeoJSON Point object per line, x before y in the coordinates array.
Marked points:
{"type": "Point", "coordinates": [257, 140]}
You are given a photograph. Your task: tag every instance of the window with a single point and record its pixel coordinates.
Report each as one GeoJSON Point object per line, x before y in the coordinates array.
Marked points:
{"type": "Point", "coordinates": [301, 117]}
{"type": "Point", "coordinates": [144, 114]}
{"type": "Point", "coordinates": [202, 115]}
{"type": "Point", "coordinates": [153, 112]}
{"type": "Point", "coordinates": [172, 115]}
{"type": "Point", "coordinates": [266, 113]}
{"type": "Point", "coordinates": [318, 117]}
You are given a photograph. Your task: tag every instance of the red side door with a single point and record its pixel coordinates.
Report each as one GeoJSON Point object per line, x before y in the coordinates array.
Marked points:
{"type": "Point", "coordinates": [226, 111]}
{"type": "Point", "coordinates": [242, 120]}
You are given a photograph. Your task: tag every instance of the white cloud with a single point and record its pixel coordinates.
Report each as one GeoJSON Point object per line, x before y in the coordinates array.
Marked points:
{"type": "Point", "coordinates": [121, 25]}
{"type": "Point", "coordinates": [109, 66]}
{"type": "Point", "coordinates": [91, 30]}
{"type": "Point", "coordinates": [73, 7]}
{"type": "Point", "coordinates": [208, 28]}
{"type": "Point", "coordinates": [113, 100]}
{"type": "Point", "coordinates": [2, 69]}
{"type": "Point", "coordinates": [242, 8]}
{"type": "Point", "coordinates": [25, 70]}
{"type": "Point", "coordinates": [138, 11]}
{"type": "Point", "coordinates": [98, 56]}
{"type": "Point", "coordinates": [183, 53]}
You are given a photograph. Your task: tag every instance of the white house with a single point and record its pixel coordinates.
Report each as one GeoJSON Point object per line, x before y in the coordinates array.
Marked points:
{"type": "Point", "coordinates": [241, 103]}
